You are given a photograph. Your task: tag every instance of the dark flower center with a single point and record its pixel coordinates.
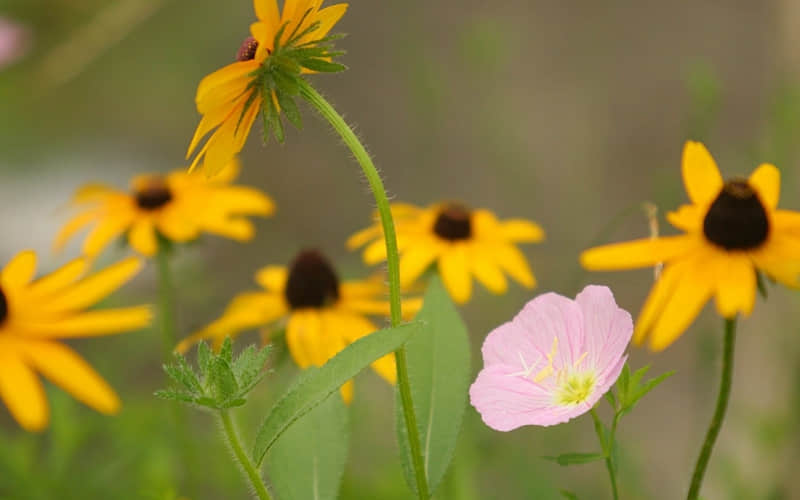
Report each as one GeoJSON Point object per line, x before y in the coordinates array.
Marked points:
{"type": "Point", "coordinates": [154, 195]}
{"type": "Point", "coordinates": [3, 307]}
{"type": "Point", "coordinates": [312, 281]}
{"type": "Point", "coordinates": [736, 219]}
{"type": "Point", "coordinates": [453, 223]}
{"type": "Point", "coordinates": [247, 51]}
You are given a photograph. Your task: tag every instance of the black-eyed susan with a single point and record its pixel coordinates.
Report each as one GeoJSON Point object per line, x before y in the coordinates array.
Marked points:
{"type": "Point", "coordinates": [283, 46]}
{"type": "Point", "coordinates": [178, 206]}
{"type": "Point", "coordinates": [321, 314]}
{"type": "Point", "coordinates": [35, 313]}
{"type": "Point", "coordinates": [462, 242]}
{"type": "Point", "coordinates": [732, 230]}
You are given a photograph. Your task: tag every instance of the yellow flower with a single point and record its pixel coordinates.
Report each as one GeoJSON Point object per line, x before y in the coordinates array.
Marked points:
{"type": "Point", "coordinates": [230, 98]}
{"type": "Point", "coordinates": [178, 206]}
{"type": "Point", "coordinates": [321, 314]}
{"type": "Point", "coordinates": [462, 242]}
{"type": "Point", "coordinates": [732, 229]}
{"type": "Point", "coordinates": [34, 313]}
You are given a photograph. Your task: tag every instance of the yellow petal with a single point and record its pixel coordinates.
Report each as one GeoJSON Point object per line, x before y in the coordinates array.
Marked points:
{"type": "Point", "coordinates": [224, 85]}
{"type": "Point", "coordinates": [701, 176]}
{"type": "Point", "coordinates": [272, 278]}
{"type": "Point", "coordinates": [105, 231]}
{"type": "Point", "coordinates": [366, 306]}
{"type": "Point", "coordinates": [303, 338]}
{"type": "Point", "coordinates": [375, 252]}
{"type": "Point", "coordinates": [142, 237]}
{"type": "Point", "coordinates": [364, 236]}
{"type": "Point", "coordinates": [20, 270]}
{"type": "Point", "coordinates": [72, 226]}
{"type": "Point", "coordinates": [346, 391]}
{"type": "Point", "coordinates": [238, 229]}
{"type": "Point", "coordinates": [58, 279]}
{"type": "Point", "coordinates": [89, 324]}
{"type": "Point", "coordinates": [242, 200]}
{"type": "Point", "coordinates": [513, 262]}
{"type": "Point", "coordinates": [374, 286]}
{"type": "Point", "coordinates": [95, 287]}
{"type": "Point", "coordinates": [736, 285]}
{"type": "Point", "coordinates": [69, 371]}
{"type": "Point", "coordinates": [91, 193]}
{"type": "Point", "coordinates": [657, 299]}
{"type": "Point", "coordinates": [688, 218]}
{"type": "Point", "coordinates": [454, 268]}
{"type": "Point", "coordinates": [416, 260]}
{"type": "Point", "coordinates": [176, 224]}
{"type": "Point", "coordinates": [686, 302]}
{"type": "Point", "coordinates": [766, 180]}
{"type": "Point", "coordinates": [521, 230]}
{"type": "Point", "coordinates": [637, 253]}
{"type": "Point", "coordinates": [22, 392]}
{"type": "Point", "coordinates": [327, 17]}
{"type": "Point", "coordinates": [487, 272]}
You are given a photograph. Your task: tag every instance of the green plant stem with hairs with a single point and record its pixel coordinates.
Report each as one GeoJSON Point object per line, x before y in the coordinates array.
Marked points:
{"type": "Point", "coordinates": [250, 470]}
{"type": "Point", "coordinates": [392, 259]}
{"type": "Point", "coordinates": [719, 413]}
{"type": "Point", "coordinates": [608, 449]}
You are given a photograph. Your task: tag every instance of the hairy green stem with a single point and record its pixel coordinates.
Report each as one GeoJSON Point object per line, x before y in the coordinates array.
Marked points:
{"type": "Point", "coordinates": [719, 413]}
{"type": "Point", "coordinates": [166, 302]}
{"type": "Point", "coordinates": [243, 458]}
{"type": "Point", "coordinates": [608, 449]}
{"type": "Point", "coordinates": [392, 260]}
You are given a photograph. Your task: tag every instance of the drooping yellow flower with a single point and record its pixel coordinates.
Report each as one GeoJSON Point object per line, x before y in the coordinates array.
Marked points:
{"type": "Point", "coordinates": [179, 206]}
{"type": "Point", "coordinates": [230, 98]}
{"type": "Point", "coordinates": [462, 242]}
{"type": "Point", "coordinates": [321, 314]}
{"type": "Point", "coordinates": [35, 313]}
{"type": "Point", "coordinates": [732, 229]}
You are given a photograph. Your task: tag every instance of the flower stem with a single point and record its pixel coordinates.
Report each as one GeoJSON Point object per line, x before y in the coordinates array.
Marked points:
{"type": "Point", "coordinates": [166, 302]}
{"type": "Point", "coordinates": [719, 414]}
{"type": "Point", "coordinates": [244, 460]}
{"type": "Point", "coordinates": [608, 449]}
{"type": "Point", "coordinates": [392, 259]}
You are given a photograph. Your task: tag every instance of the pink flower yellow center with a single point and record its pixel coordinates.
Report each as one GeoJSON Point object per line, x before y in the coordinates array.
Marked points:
{"type": "Point", "coordinates": [575, 388]}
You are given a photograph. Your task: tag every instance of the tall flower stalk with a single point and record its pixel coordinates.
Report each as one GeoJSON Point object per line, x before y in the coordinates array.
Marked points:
{"type": "Point", "coordinates": [387, 223]}
{"type": "Point", "coordinates": [719, 413]}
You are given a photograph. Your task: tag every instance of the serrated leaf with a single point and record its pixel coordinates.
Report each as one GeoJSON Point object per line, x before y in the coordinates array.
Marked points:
{"type": "Point", "coordinates": [249, 367]}
{"type": "Point", "coordinates": [576, 458]}
{"type": "Point", "coordinates": [322, 65]}
{"type": "Point", "coordinates": [221, 383]}
{"type": "Point", "coordinates": [439, 375]}
{"type": "Point", "coordinates": [204, 356]}
{"type": "Point", "coordinates": [308, 460]}
{"type": "Point", "coordinates": [226, 351]}
{"type": "Point", "coordinates": [317, 384]}
{"type": "Point", "coordinates": [182, 374]}
{"type": "Point", "coordinates": [173, 395]}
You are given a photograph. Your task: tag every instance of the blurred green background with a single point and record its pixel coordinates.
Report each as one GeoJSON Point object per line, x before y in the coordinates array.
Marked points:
{"type": "Point", "coordinates": [568, 113]}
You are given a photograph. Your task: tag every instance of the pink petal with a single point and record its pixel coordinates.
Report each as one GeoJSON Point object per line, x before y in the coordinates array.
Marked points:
{"type": "Point", "coordinates": [550, 316]}
{"type": "Point", "coordinates": [608, 328]}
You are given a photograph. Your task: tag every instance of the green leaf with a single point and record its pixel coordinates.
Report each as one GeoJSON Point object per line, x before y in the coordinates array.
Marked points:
{"type": "Point", "coordinates": [576, 458]}
{"type": "Point", "coordinates": [308, 460]}
{"type": "Point", "coordinates": [612, 400]}
{"type": "Point", "coordinates": [318, 384]}
{"type": "Point", "coordinates": [623, 382]}
{"type": "Point", "coordinates": [226, 352]}
{"type": "Point", "coordinates": [182, 373]}
{"type": "Point", "coordinates": [322, 65]}
{"type": "Point", "coordinates": [204, 356]}
{"type": "Point", "coordinates": [290, 109]}
{"type": "Point", "coordinates": [631, 390]}
{"type": "Point", "coordinates": [221, 383]}
{"type": "Point", "coordinates": [439, 374]}
{"type": "Point", "coordinates": [568, 495]}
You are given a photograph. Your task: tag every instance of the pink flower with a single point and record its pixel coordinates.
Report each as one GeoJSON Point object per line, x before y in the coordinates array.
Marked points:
{"type": "Point", "coordinates": [13, 41]}
{"type": "Point", "coordinates": [553, 361]}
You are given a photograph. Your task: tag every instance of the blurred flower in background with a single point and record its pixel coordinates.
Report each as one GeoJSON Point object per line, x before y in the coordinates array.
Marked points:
{"type": "Point", "coordinates": [733, 229]}
{"type": "Point", "coordinates": [179, 206]}
{"type": "Point", "coordinates": [321, 314]}
{"type": "Point", "coordinates": [14, 42]}
{"type": "Point", "coordinates": [34, 313]}
{"type": "Point", "coordinates": [553, 361]}
{"type": "Point", "coordinates": [462, 242]}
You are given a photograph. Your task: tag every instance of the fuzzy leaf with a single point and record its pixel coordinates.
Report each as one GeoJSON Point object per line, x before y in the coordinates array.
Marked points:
{"type": "Point", "coordinates": [290, 109]}
{"type": "Point", "coordinates": [576, 458]}
{"type": "Point", "coordinates": [439, 374]}
{"type": "Point", "coordinates": [221, 384]}
{"type": "Point", "coordinates": [204, 356]}
{"type": "Point", "coordinates": [308, 460]}
{"type": "Point", "coordinates": [317, 384]}
{"type": "Point", "coordinates": [322, 65]}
